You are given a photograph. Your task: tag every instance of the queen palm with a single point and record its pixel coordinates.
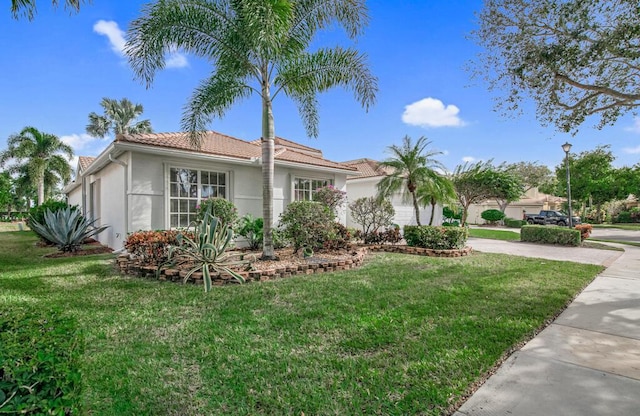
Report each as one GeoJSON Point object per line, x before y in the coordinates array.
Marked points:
{"type": "Point", "coordinates": [37, 156]}
{"type": "Point", "coordinates": [436, 190]}
{"type": "Point", "coordinates": [28, 7]}
{"type": "Point", "coordinates": [255, 47]}
{"type": "Point", "coordinates": [410, 167]}
{"type": "Point", "coordinates": [119, 118]}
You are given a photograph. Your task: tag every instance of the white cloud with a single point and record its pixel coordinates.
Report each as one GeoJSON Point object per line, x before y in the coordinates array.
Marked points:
{"type": "Point", "coordinates": [636, 126]}
{"type": "Point", "coordinates": [78, 141]}
{"type": "Point", "coordinates": [110, 29]}
{"type": "Point", "coordinates": [468, 159]}
{"type": "Point", "coordinates": [632, 150]}
{"type": "Point", "coordinates": [445, 153]}
{"type": "Point", "coordinates": [176, 60]}
{"type": "Point", "coordinates": [431, 112]}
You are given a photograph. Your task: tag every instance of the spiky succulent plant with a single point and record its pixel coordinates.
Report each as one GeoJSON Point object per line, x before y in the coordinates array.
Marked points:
{"type": "Point", "coordinates": [67, 228]}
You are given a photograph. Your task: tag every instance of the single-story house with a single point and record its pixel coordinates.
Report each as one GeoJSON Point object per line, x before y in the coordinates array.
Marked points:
{"type": "Point", "coordinates": [531, 203]}
{"type": "Point", "coordinates": [156, 180]}
{"type": "Point", "coordinates": [363, 184]}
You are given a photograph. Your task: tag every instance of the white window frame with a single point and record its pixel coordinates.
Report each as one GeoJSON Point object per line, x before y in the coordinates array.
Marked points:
{"type": "Point", "coordinates": [191, 201]}
{"type": "Point", "coordinates": [308, 193]}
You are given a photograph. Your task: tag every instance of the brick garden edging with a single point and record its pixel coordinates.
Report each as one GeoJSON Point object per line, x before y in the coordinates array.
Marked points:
{"type": "Point", "coordinates": [420, 251]}
{"type": "Point", "coordinates": [132, 267]}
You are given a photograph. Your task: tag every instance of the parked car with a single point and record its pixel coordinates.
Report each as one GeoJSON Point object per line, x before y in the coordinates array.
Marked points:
{"type": "Point", "coordinates": [551, 217]}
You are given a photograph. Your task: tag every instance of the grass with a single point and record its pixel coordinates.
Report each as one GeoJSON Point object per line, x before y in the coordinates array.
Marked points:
{"type": "Point", "coordinates": [401, 335]}
{"type": "Point", "coordinates": [494, 234]}
{"type": "Point", "coordinates": [629, 243]}
{"type": "Point", "coordinates": [631, 227]}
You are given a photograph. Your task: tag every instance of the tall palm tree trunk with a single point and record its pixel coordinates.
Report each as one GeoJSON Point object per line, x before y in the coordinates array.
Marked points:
{"type": "Point", "coordinates": [416, 207]}
{"type": "Point", "coordinates": [268, 138]}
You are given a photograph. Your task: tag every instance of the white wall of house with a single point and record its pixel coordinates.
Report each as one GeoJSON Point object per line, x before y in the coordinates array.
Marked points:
{"type": "Point", "coordinates": [405, 214]}
{"type": "Point", "coordinates": [74, 197]}
{"type": "Point", "coordinates": [104, 202]}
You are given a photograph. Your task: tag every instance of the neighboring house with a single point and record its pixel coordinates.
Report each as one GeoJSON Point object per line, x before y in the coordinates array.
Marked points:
{"type": "Point", "coordinates": [531, 203]}
{"type": "Point", "coordinates": [364, 184]}
{"type": "Point", "coordinates": [155, 181]}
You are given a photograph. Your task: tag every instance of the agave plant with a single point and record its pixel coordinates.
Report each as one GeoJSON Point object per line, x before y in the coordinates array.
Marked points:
{"type": "Point", "coordinates": [67, 228]}
{"type": "Point", "coordinates": [206, 251]}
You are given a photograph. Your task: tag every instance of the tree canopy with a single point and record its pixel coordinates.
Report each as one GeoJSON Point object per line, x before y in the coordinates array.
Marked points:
{"type": "Point", "coordinates": [574, 58]}
{"type": "Point", "coordinates": [39, 157]}
{"type": "Point", "coordinates": [411, 166]}
{"type": "Point", "coordinates": [531, 174]}
{"type": "Point", "coordinates": [120, 117]}
{"type": "Point", "coordinates": [27, 8]}
{"type": "Point", "coordinates": [255, 47]}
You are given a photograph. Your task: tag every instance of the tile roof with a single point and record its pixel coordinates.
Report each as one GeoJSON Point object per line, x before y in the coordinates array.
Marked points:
{"type": "Point", "coordinates": [85, 161]}
{"type": "Point", "coordinates": [222, 145]}
{"type": "Point", "coordinates": [368, 168]}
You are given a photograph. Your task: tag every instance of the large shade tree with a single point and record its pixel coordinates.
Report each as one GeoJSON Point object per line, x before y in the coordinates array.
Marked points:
{"type": "Point", "coordinates": [28, 7]}
{"type": "Point", "coordinates": [472, 182]}
{"type": "Point", "coordinates": [38, 156]}
{"type": "Point", "coordinates": [119, 117]}
{"type": "Point", "coordinates": [575, 58]}
{"type": "Point", "coordinates": [255, 47]}
{"type": "Point", "coordinates": [411, 165]}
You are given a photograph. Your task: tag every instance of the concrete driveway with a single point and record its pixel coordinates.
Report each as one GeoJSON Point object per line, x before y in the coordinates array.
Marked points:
{"type": "Point", "coordinates": [616, 234]}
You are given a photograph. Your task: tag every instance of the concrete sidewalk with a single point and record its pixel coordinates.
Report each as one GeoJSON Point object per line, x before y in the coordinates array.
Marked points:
{"type": "Point", "coordinates": [587, 362]}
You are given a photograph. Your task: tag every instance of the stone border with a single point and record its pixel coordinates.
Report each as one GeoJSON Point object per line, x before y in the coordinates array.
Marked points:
{"type": "Point", "coordinates": [420, 251]}
{"type": "Point", "coordinates": [128, 265]}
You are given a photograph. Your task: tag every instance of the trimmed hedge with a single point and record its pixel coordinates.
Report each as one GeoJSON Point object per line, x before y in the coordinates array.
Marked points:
{"type": "Point", "coordinates": [513, 223]}
{"type": "Point", "coordinates": [39, 363]}
{"type": "Point", "coordinates": [436, 238]}
{"type": "Point", "coordinates": [550, 235]}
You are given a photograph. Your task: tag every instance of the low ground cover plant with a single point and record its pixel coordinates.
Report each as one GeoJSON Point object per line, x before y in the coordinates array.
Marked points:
{"type": "Point", "coordinates": [40, 354]}
{"type": "Point", "coordinates": [401, 335]}
{"type": "Point", "coordinates": [151, 247]}
{"type": "Point", "coordinates": [547, 234]}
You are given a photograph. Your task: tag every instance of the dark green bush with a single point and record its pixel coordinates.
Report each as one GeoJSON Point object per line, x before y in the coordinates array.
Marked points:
{"type": "Point", "coordinates": [550, 235]}
{"type": "Point", "coordinates": [436, 238]}
{"type": "Point", "coordinates": [451, 224]}
{"type": "Point", "coordinates": [492, 215]}
{"type": "Point", "coordinates": [307, 224]}
{"type": "Point", "coordinates": [39, 363]}
{"type": "Point", "coordinates": [513, 223]}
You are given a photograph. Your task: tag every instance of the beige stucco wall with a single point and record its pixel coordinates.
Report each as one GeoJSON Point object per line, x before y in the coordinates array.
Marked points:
{"type": "Point", "coordinates": [405, 214]}
{"type": "Point", "coordinates": [75, 197]}
{"type": "Point", "coordinates": [108, 206]}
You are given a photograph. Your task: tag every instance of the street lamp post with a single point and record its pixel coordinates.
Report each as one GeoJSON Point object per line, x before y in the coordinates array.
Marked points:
{"type": "Point", "coordinates": [567, 148]}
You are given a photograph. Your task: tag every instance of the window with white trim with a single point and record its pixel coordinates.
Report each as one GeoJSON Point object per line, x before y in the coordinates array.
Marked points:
{"type": "Point", "coordinates": [304, 188]}
{"type": "Point", "coordinates": [187, 187]}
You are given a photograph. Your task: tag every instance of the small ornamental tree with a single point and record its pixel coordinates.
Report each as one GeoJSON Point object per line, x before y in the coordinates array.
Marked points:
{"type": "Point", "coordinates": [330, 196]}
{"type": "Point", "coordinates": [372, 213]}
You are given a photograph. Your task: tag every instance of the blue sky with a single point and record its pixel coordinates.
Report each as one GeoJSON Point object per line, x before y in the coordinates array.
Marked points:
{"type": "Point", "coordinates": [56, 69]}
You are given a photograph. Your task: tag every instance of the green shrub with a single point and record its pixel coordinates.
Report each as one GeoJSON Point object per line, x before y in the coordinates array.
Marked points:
{"type": "Point", "coordinates": [451, 224]}
{"type": "Point", "coordinates": [221, 208]}
{"type": "Point", "coordinates": [338, 238]}
{"type": "Point", "coordinates": [66, 228]}
{"type": "Point", "coordinates": [39, 363]}
{"type": "Point", "coordinates": [492, 216]}
{"type": "Point", "coordinates": [307, 224]}
{"type": "Point", "coordinates": [513, 223]}
{"type": "Point", "coordinates": [436, 238]}
{"type": "Point", "coordinates": [251, 228]}
{"type": "Point", "coordinates": [450, 215]}
{"type": "Point", "coordinates": [623, 217]}
{"type": "Point", "coordinates": [550, 235]}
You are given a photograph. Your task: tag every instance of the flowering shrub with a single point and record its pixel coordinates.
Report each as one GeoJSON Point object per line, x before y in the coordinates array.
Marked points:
{"type": "Point", "coordinates": [330, 196]}
{"type": "Point", "coordinates": [307, 224]}
{"type": "Point", "coordinates": [221, 208]}
{"type": "Point", "coordinates": [151, 247]}
{"type": "Point", "coordinates": [585, 231]}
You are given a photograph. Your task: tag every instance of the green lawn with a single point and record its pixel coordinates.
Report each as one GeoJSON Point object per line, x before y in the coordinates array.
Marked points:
{"type": "Point", "coordinates": [401, 335]}
{"type": "Point", "coordinates": [494, 234]}
{"type": "Point", "coordinates": [632, 227]}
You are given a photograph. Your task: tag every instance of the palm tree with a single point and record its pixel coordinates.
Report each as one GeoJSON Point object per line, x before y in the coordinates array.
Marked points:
{"type": "Point", "coordinates": [119, 118]}
{"type": "Point", "coordinates": [37, 156]}
{"type": "Point", "coordinates": [28, 7]}
{"type": "Point", "coordinates": [410, 166]}
{"type": "Point", "coordinates": [255, 47]}
{"type": "Point", "coordinates": [436, 190]}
